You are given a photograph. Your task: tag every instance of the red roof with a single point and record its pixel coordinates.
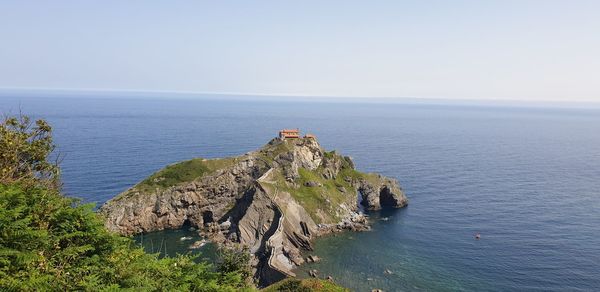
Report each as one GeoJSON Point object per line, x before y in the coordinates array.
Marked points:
{"type": "Point", "coordinates": [289, 133]}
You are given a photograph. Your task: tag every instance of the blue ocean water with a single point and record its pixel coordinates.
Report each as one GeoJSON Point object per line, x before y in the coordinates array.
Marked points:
{"type": "Point", "coordinates": [526, 178]}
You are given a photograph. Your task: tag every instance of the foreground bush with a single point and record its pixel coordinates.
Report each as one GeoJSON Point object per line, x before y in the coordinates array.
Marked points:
{"type": "Point", "coordinates": [50, 242]}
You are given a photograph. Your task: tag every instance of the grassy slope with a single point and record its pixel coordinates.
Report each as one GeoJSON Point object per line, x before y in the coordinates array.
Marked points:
{"type": "Point", "coordinates": [324, 199]}
{"type": "Point", "coordinates": [189, 170]}
{"type": "Point", "coordinates": [304, 285]}
{"type": "Point", "coordinates": [269, 152]}
{"type": "Point", "coordinates": [178, 173]}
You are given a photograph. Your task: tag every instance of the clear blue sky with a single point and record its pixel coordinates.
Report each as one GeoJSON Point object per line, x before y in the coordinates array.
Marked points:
{"type": "Point", "coordinates": [524, 50]}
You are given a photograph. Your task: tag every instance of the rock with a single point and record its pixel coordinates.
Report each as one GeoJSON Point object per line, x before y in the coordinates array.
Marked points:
{"type": "Point", "coordinates": [358, 218]}
{"type": "Point", "coordinates": [252, 197]}
{"type": "Point", "coordinates": [313, 259]}
{"type": "Point", "coordinates": [312, 184]}
{"type": "Point", "coordinates": [197, 244]}
{"type": "Point", "coordinates": [379, 191]}
{"type": "Point", "coordinates": [233, 237]}
{"type": "Point", "coordinates": [313, 273]}
{"type": "Point", "coordinates": [387, 272]}
{"type": "Point", "coordinates": [225, 225]}
{"type": "Point", "coordinates": [330, 278]}
{"type": "Point", "coordinates": [376, 290]}
{"type": "Point", "coordinates": [296, 258]}
{"type": "Point", "coordinates": [213, 227]}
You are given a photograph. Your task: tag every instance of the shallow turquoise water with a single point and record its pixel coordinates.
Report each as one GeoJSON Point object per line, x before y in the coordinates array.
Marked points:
{"type": "Point", "coordinates": [174, 242]}
{"type": "Point", "coordinates": [527, 179]}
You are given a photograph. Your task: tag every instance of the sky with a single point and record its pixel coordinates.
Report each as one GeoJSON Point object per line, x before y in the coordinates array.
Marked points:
{"type": "Point", "coordinates": [482, 49]}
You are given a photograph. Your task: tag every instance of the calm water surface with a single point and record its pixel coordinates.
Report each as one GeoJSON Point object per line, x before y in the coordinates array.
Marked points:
{"type": "Point", "coordinates": [527, 179]}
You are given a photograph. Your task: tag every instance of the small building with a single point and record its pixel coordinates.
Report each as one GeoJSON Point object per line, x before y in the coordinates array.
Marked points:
{"type": "Point", "coordinates": [289, 133]}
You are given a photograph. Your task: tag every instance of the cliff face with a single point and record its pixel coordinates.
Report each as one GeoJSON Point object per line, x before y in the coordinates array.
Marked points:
{"type": "Point", "coordinates": [274, 200]}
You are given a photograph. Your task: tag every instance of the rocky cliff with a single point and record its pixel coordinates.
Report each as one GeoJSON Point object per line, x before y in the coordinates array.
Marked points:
{"type": "Point", "coordinates": [274, 200]}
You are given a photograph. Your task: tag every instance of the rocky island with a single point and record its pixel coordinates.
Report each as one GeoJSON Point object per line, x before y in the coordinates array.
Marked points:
{"type": "Point", "coordinates": [274, 201]}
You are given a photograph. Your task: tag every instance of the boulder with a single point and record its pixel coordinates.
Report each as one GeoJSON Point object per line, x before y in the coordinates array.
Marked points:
{"type": "Point", "coordinates": [313, 259]}
{"type": "Point", "coordinates": [312, 184]}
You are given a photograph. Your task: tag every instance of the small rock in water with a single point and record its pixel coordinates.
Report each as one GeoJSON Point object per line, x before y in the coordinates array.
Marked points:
{"type": "Point", "coordinates": [387, 272]}
{"type": "Point", "coordinates": [192, 228]}
{"type": "Point", "coordinates": [313, 273]}
{"type": "Point", "coordinates": [376, 290]}
{"type": "Point", "coordinates": [186, 238]}
{"type": "Point", "coordinates": [312, 259]}
{"type": "Point", "coordinates": [385, 218]}
{"type": "Point", "coordinates": [198, 244]}
{"type": "Point", "coordinates": [330, 278]}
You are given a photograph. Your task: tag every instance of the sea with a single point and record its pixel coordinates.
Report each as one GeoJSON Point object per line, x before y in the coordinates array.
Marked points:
{"type": "Point", "coordinates": [526, 178]}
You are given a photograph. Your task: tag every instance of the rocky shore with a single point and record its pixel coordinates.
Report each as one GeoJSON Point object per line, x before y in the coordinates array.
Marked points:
{"type": "Point", "coordinates": [274, 201]}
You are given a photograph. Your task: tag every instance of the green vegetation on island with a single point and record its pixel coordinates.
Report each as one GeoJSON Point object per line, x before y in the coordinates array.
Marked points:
{"type": "Point", "coordinates": [185, 171]}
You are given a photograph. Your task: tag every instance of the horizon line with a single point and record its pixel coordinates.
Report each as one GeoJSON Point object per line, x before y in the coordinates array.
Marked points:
{"type": "Point", "coordinates": [297, 95]}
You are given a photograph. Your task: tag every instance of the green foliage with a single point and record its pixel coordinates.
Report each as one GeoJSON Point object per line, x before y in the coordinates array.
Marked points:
{"type": "Point", "coordinates": [292, 286]}
{"type": "Point", "coordinates": [185, 171]}
{"type": "Point", "coordinates": [50, 242]}
{"type": "Point", "coordinates": [329, 154]}
{"type": "Point", "coordinates": [235, 260]}
{"type": "Point", "coordinates": [24, 150]}
{"type": "Point", "coordinates": [304, 285]}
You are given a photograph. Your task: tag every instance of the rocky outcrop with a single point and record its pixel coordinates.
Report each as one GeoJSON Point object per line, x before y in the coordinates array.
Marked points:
{"type": "Point", "coordinates": [199, 202]}
{"type": "Point", "coordinates": [274, 201]}
{"type": "Point", "coordinates": [378, 191]}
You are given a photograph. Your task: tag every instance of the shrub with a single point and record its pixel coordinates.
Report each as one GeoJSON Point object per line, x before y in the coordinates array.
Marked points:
{"type": "Point", "coordinates": [24, 150]}
{"type": "Point", "coordinates": [50, 242]}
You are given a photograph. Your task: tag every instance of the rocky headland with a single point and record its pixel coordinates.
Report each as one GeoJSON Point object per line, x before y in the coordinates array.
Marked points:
{"type": "Point", "coordinates": [274, 201]}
